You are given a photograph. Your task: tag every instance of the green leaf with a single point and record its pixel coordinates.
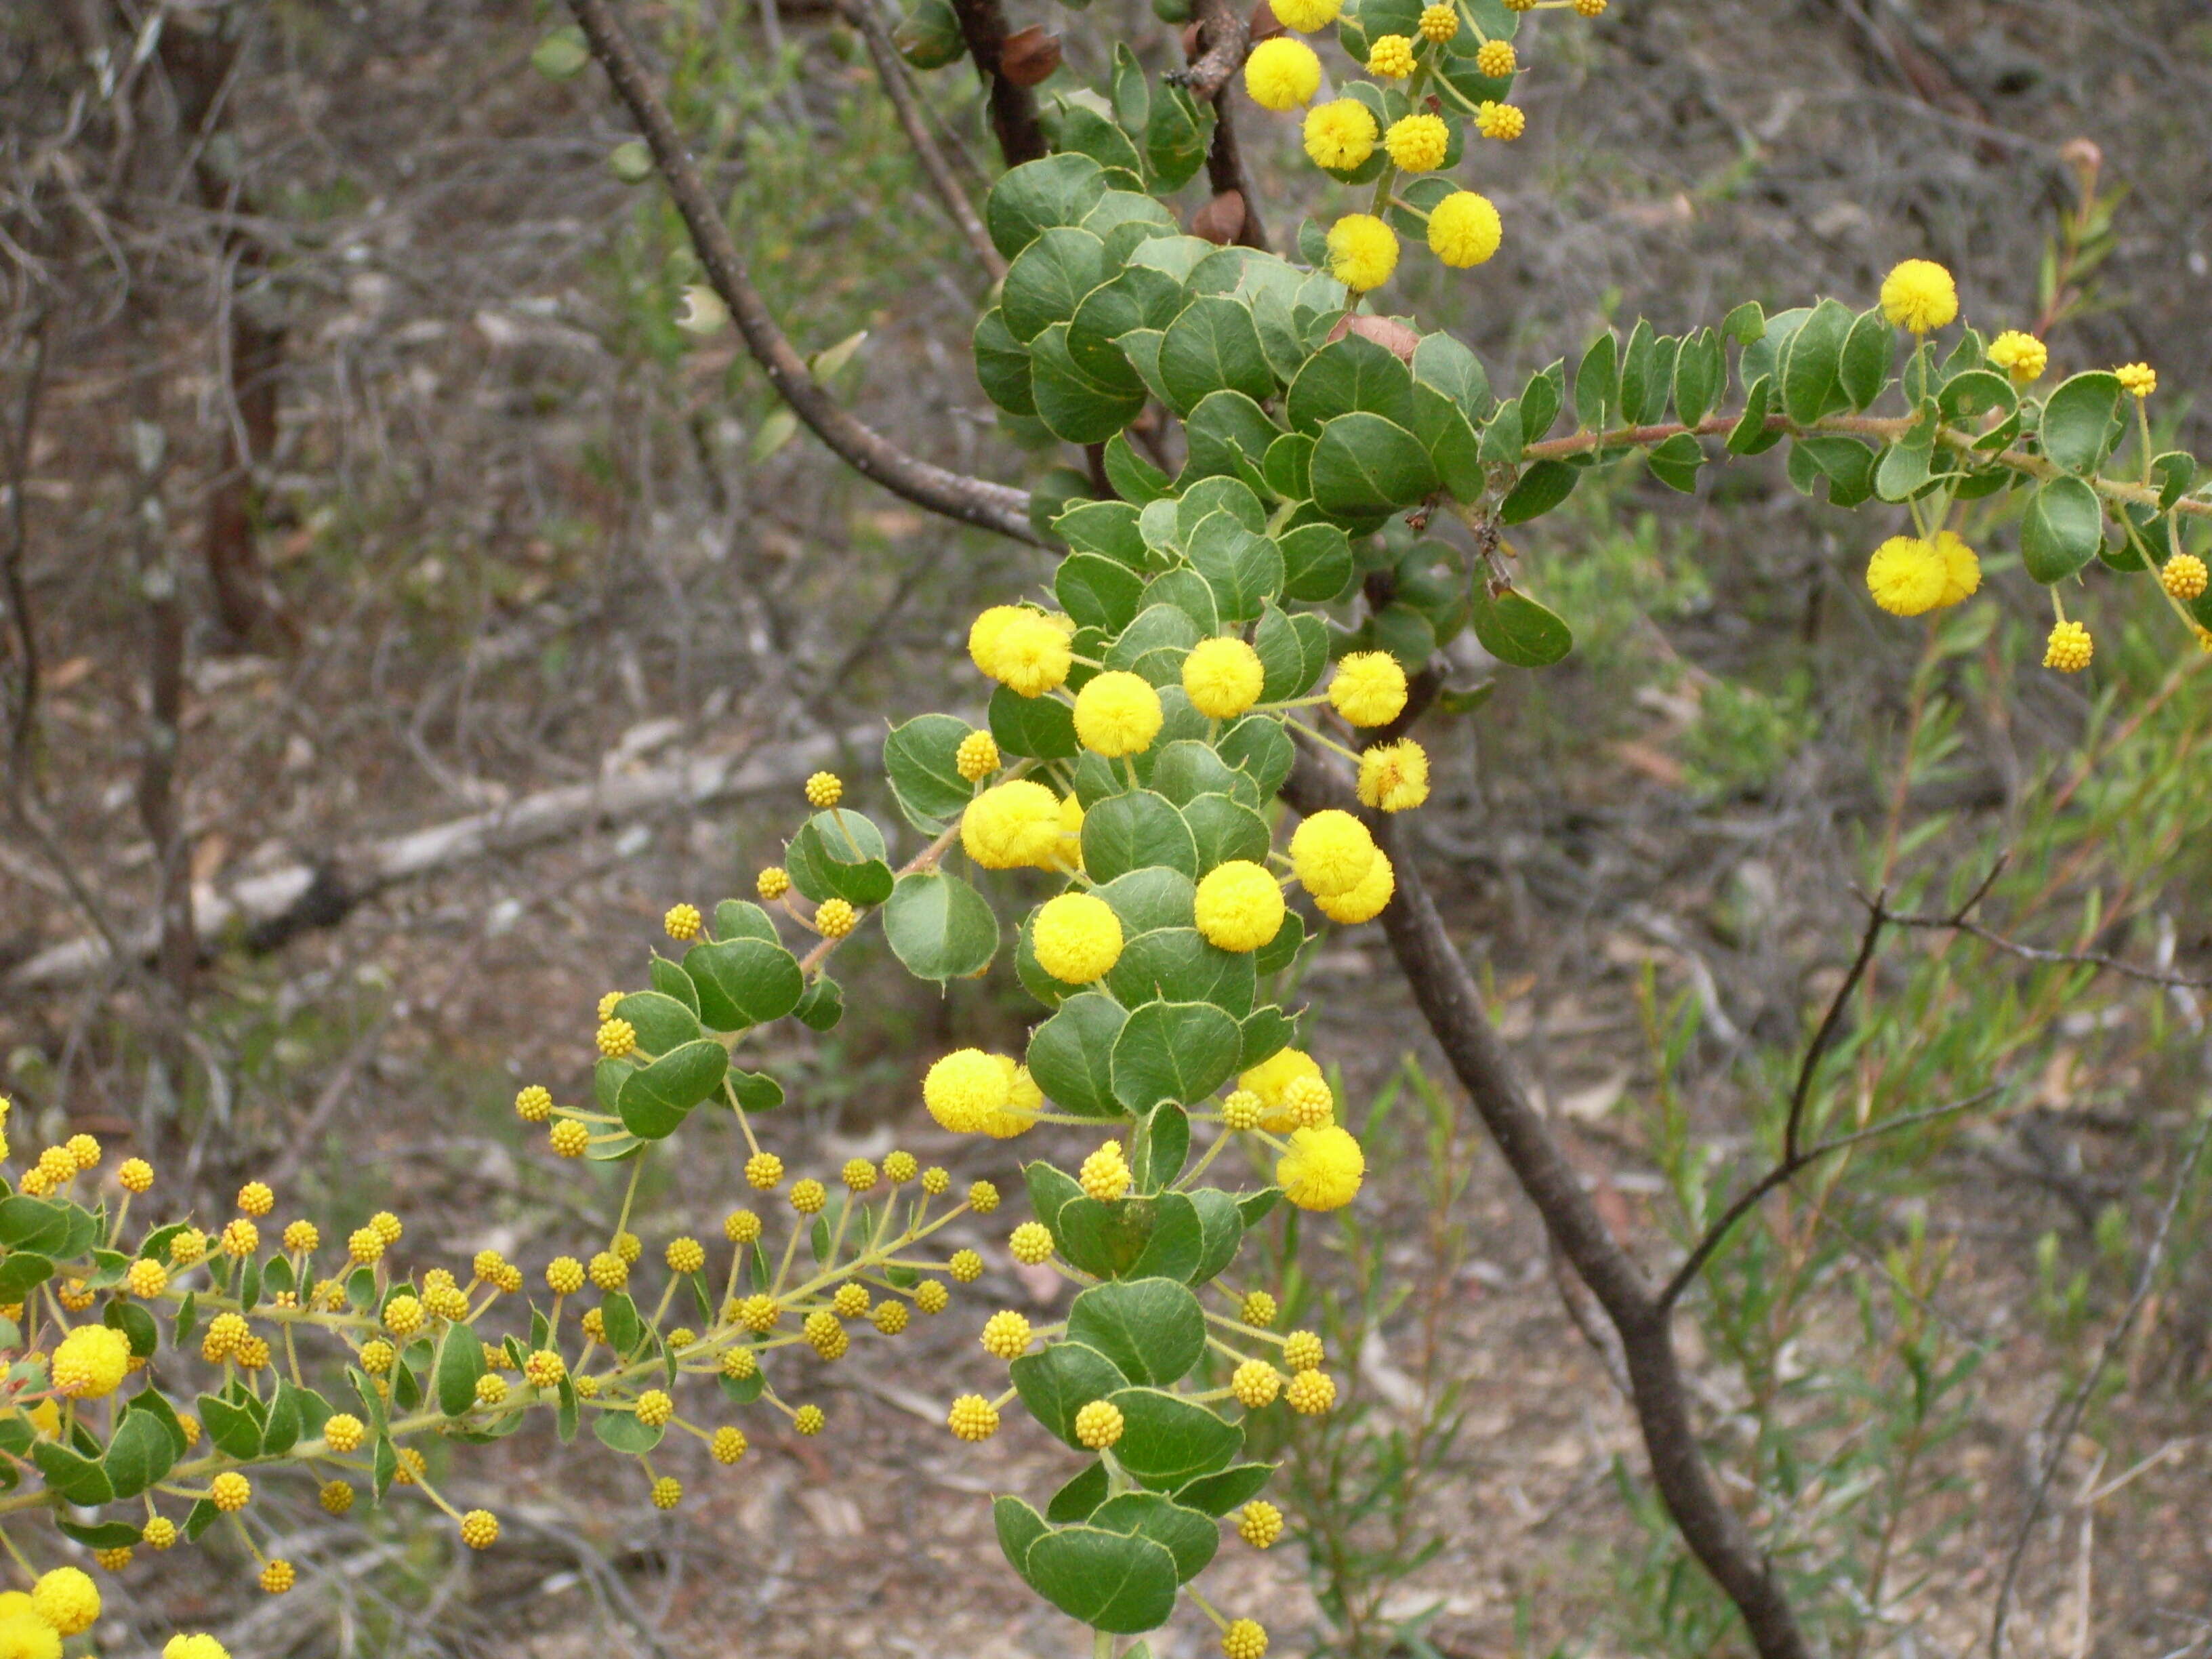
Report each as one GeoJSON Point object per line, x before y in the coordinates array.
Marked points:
{"type": "Point", "coordinates": [1177, 133]}
{"type": "Point", "coordinates": [1597, 384]}
{"type": "Point", "coordinates": [2062, 530]}
{"type": "Point", "coordinates": [1675, 462]}
{"type": "Point", "coordinates": [1363, 464]}
{"type": "Point", "coordinates": [2080, 421]}
{"type": "Point", "coordinates": [940, 927]}
{"type": "Point", "coordinates": [101, 1534]}
{"type": "Point", "coordinates": [1187, 769]}
{"type": "Point", "coordinates": [1746, 324]}
{"type": "Point", "coordinates": [1513, 629]}
{"type": "Point", "coordinates": [1221, 1232]}
{"type": "Point", "coordinates": [2173, 472]}
{"type": "Point", "coordinates": [141, 1453]}
{"type": "Point", "coordinates": [1214, 345]}
{"type": "Point", "coordinates": [1114, 1581]}
{"type": "Point", "coordinates": [1223, 829]}
{"type": "Point", "coordinates": [1975, 395]}
{"type": "Point", "coordinates": [1442, 363]}
{"type": "Point", "coordinates": [235, 1430]}
{"type": "Point", "coordinates": [23, 1272]}
{"type": "Point", "coordinates": [1049, 279]}
{"type": "Point", "coordinates": [1454, 449]}
{"type": "Point", "coordinates": [460, 1363]}
{"type": "Point", "coordinates": [282, 1432]}
{"type": "Point", "coordinates": [1904, 467]}
{"type": "Point", "coordinates": [1226, 432]}
{"type": "Point", "coordinates": [1351, 374]}
{"type": "Point", "coordinates": [1187, 1534]}
{"type": "Point", "coordinates": [1071, 1055]}
{"type": "Point", "coordinates": [1129, 831]}
{"type": "Point", "coordinates": [1041, 728]}
{"type": "Point", "coordinates": [661, 1021]}
{"type": "Point", "coordinates": [1639, 380]}
{"type": "Point", "coordinates": [655, 1100]}
{"type": "Point", "coordinates": [1178, 1051]}
{"type": "Point", "coordinates": [1243, 570]}
{"type": "Point", "coordinates": [79, 1479]}
{"type": "Point", "coordinates": [1810, 360]}
{"type": "Point", "coordinates": [1869, 349]}
{"type": "Point", "coordinates": [1750, 436]}
{"type": "Point", "coordinates": [1073, 402]}
{"type": "Point", "coordinates": [1098, 591]}
{"type": "Point", "coordinates": [1150, 898]}
{"type": "Point", "coordinates": [1091, 134]}
{"type": "Point", "coordinates": [135, 1323]}
{"type": "Point", "coordinates": [1542, 487]}
{"type": "Point", "coordinates": [34, 1224]}
{"type": "Point", "coordinates": [1260, 747]}
{"type": "Point", "coordinates": [919, 759]}
{"type": "Point", "coordinates": [1081, 1495]}
{"type": "Point", "coordinates": [1318, 564]}
{"type": "Point", "coordinates": [1158, 1150]}
{"type": "Point", "coordinates": [1018, 1525]}
{"type": "Point", "coordinates": [1134, 478]}
{"type": "Point", "coordinates": [1846, 463]}
{"type": "Point", "coordinates": [1060, 1380]}
{"type": "Point", "coordinates": [1176, 964]}
{"type": "Point", "coordinates": [1032, 198]}
{"type": "Point", "coordinates": [743, 982]}
{"type": "Point", "coordinates": [622, 1431]}
{"type": "Point", "coordinates": [562, 55]}
{"type": "Point", "coordinates": [1218, 1493]}
{"type": "Point", "coordinates": [1002, 366]}
{"type": "Point", "coordinates": [1168, 1441]}
{"type": "Point", "coordinates": [1700, 374]}
{"type": "Point", "coordinates": [742, 918]}
{"type": "Point", "coordinates": [1151, 1330]}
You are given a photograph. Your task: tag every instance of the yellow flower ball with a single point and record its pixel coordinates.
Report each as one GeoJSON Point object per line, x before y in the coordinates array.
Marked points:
{"type": "Point", "coordinates": [763, 1172]}
{"type": "Point", "coordinates": [1417, 143]}
{"type": "Point", "coordinates": [1439, 23]}
{"type": "Point", "coordinates": [1029, 1244]}
{"type": "Point", "coordinates": [136, 1174]}
{"type": "Point", "coordinates": [1098, 1424]}
{"type": "Point", "coordinates": [1391, 57]}
{"type": "Point", "coordinates": [1077, 937]}
{"type": "Point", "coordinates": [1255, 1383]}
{"type": "Point", "coordinates": [1394, 777]}
{"type": "Point", "coordinates": [1223, 678]}
{"type": "Point", "coordinates": [1024, 1100]}
{"type": "Point", "coordinates": [1331, 853]}
{"type": "Point", "coordinates": [977, 757]}
{"type": "Point", "coordinates": [835, 918]}
{"type": "Point", "coordinates": [1258, 1307]}
{"type": "Point", "coordinates": [1919, 295]}
{"type": "Point", "coordinates": [1269, 1084]}
{"type": "Point", "coordinates": [1105, 1174]}
{"type": "Point", "coordinates": [2184, 576]}
{"type": "Point", "coordinates": [1012, 825]}
{"type": "Point", "coordinates": [2141, 379]}
{"type": "Point", "coordinates": [729, 1444]}
{"type": "Point", "coordinates": [67, 1598]}
{"type": "Point", "coordinates": [773, 883]}
{"type": "Point", "coordinates": [1021, 649]}
{"type": "Point", "coordinates": [1282, 73]}
{"type": "Point", "coordinates": [1302, 1351]}
{"type": "Point", "coordinates": [972, 1418]}
{"type": "Point", "coordinates": [1962, 568]}
{"type": "Point", "coordinates": [1117, 713]}
{"type": "Point", "coordinates": [1240, 906]}
{"type": "Point", "coordinates": [1495, 59]}
{"type": "Point", "coordinates": [2020, 355]}
{"type": "Point", "coordinates": [1310, 1392]}
{"type": "Point", "coordinates": [1340, 134]}
{"type": "Point", "coordinates": [1369, 688]}
{"type": "Point", "coordinates": [963, 1089]}
{"type": "Point", "coordinates": [1005, 1336]}
{"type": "Point", "coordinates": [1365, 901]}
{"type": "Point", "coordinates": [1503, 122]}
{"type": "Point", "coordinates": [91, 1362]}
{"type": "Point", "coordinates": [2070, 648]}
{"type": "Point", "coordinates": [1244, 1638]}
{"type": "Point", "coordinates": [1363, 252]}
{"type": "Point", "coordinates": [681, 922]}
{"type": "Point", "coordinates": [200, 1646]}
{"type": "Point", "coordinates": [1907, 576]}
{"type": "Point", "coordinates": [1259, 1524]}
{"type": "Point", "coordinates": [1464, 230]}
{"type": "Point", "coordinates": [1306, 15]}
{"type": "Point", "coordinates": [479, 1530]}
{"type": "Point", "coordinates": [1322, 1169]}
{"type": "Point", "coordinates": [824, 789]}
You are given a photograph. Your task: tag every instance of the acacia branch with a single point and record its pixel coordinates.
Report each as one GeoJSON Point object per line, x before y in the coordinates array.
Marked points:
{"type": "Point", "coordinates": [971, 501]}
{"type": "Point", "coordinates": [1013, 106]}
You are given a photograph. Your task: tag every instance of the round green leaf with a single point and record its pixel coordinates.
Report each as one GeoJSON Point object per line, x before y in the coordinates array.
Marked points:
{"type": "Point", "coordinates": [1168, 1441]}
{"type": "Point", "coordinates": [743, 982]}
{"type": "Point", "coordinates": [1363, 463]}
{"type": "Point", "coordinates": [940, 927]}
{"type": "Point", "coordinates": [2062, 530]}
{"type": "Point", "coordinates": [1151, 1330]}
{"type": "Point", "coordinates": [1071, 1055]}
{"type": "Point", "coordinates": [656, 1099]}
{"type": "Point", "coordinates": [1110, 1581]}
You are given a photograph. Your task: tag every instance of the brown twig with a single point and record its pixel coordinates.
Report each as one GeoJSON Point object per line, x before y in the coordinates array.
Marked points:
{"type": "Point", "coordinates": [1226, 39]}
{"type": "Point", "coordinates": [971, 501]}
{"type": "Point", "coordinates": [1013, 106]}
{"type": "Point", "coordinates": [15, 435]}
{"type": "Point", "coordinates": [890, 70]}
{"type": "Point", "coordinates": [1222, 31]}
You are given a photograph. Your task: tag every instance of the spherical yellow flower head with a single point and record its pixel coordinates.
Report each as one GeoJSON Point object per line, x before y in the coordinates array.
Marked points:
{"type": "Point", "coordinates": [1105, 1174]}
{"type": "Point", "coordinates": [1258, 1307]}
{"type": "Point", "coordinates": [1391, 57]}
{"type": "Point", "coordinates": [972, 1418]}
{"type": "Point", "coordinates": [1309, 1103]}
{"type": "Point", "coordinates": [1585, 8]}
{"type": "Point", "coordinates": [728, 1445]}
{"type": "Point", "coordinates": [851, 1301]}
{"type": "Point", "coordinates": [1369, 689]}
{"type": "Point", "coordinates": [682, 922]}
{"type": "Point", "coordinates": [302, 1237]}
{"type": "Point", "coordinates": [1341, 135]}
{"type": "Point", "coordinates": [569, 1138]}
{"type": "Point", "coordinates": [2141, 379]}
{"type": "Point", "coordinates": [115, 1559]}
{"type": "Point", "coordinates": [160, 1532]}
{"type": "Point", "coordinates": [76, 1295]}
{"type": "Point", "coordinates": [609, 1271]}
{"type": "Point", "coordinates": [1331, 853]}
{"type": "Point", "coordinates": [1907, 576]}
{"type": "Point", "coordinates": [1005, 1336]}
{"type": "Point", "coordinates": [2070, 648]}
{"type": "Point", "coordinates": [1255, 1383]}
{"type": "Point", "coordinates": [1223, 676]}
{"type": "Point", "coordinates": [404, 1316]}
{"type": "Point", "coordinates": [2020, 355]}
{"type": "Point", "coordinates": [376, 1356]}
{"type": "Point", "coordinates": [252, 1354]}
{"type": "Point", "coordinates": [136, 1174]}
{"type": "Point", "coordinates": [1306, 15]}
{"type": "Point", "coordinates": [1495, 59]}
{"type": "Point", "coordinates": [277, 1576]}
{"type": "Point", "coordinates": [1962, 568]}
{"type": "Point", "coordinates": [741, 1226]}
{"type": "Point", "coordinates": [1394, 776]}
{"type": "Point", "coordinates": [446, 1302]}
{"type": "Point", "coordinates": [1503, 122]}
{"type": "Point", "coordinates": [977, 756]}
{"type": "Point", "coordinates": [1417, 143]}
{"type": "Point", "coordinates": [1464, 230]}
{"type": "Point", "coordinates": [1117, 713]}
{"type": "Point", "coordinates": [607, 1003]}
{"type": "Point", "coordinates": [1240, 906]}
{"type": "Point", "coordinates": [479, 1530]}
{"type": "Point", "coordinates": [616, 1038]}
{"type": "Point", "coordinates": [966, 1267]}
{"type": "Point", "coordinates": [1241, 1110]}
{"type": "Point", "coordinates": [534, 1105]}
{"type": "Point", "coordinates": [240, 1238]}
{"type": "Point", "coordinates": [681, 1339]}
{"type": "Point", "coordinates": [147, 1278]}
{"type": "Point", "coordinates": [564, 1275]}
{"type": "Point", "coordinates": [932, 1297]}
{"type": "Point", "coordinates": [191, 1425]}
{"type": "Point", "coordinates": [1366, 901]}
{"type": "Point", "coordinates": [809, 1420]}
{"type": "Point", "coordinates": [544, 1369]}
{"type": "Point", "coordinates": [1098, 1424]}
{"type": "Point", "coordinates": [825, 790]}
{"type": "Point", "coordinates": [1310, 1392]}
{"type": "Point", "coordinates": [759, 1313]}
{"type": "Point", "coordinates": [667, 1492]}
{"type": "Point", "coordinates": [962, 1089]}
{"type": "Point", "coordinates": [1077, 937]}
{"type": "Point", "coordinates": [336, 1497]}
{"type": "Point", "coordinates": [1363, 252]}
{"type": "Point", "coordinates": [230, 1492]}
{"type": "Point", "coordinates": [1012, 825]}
{"type": "Point", "coordinates": [1269, 1084]}
{"type": "Point", "coordinates": [686, 1256]}
{"type": "Point", "coordinates": [936, 1181]}
{"type": "Point", "coordinates": [1919, 295]}
{"type": "Point", "coordinates": [225, 1332]}
{"type": "Point", "coordinates": [1024, 1100]}
{"type": "Point", "coordinates": [654, 1408]}
{"type": "Point", "coordinates": [808, 1196]}
{"type": "Point", "coordinates": [1259, 1524]}
{"type": "Point", "coordinates": [773, 883]}
{"type": "Point", "coordinates": [91, 1362]}
{"type": "Point", "coordinates": [1030, 1243]}
{"type": "Point", "coordinates": [195, 1647]}
{"type": "Point", "coordinates": [57, 1164]}
{"type": "Point", "coordinates": [835, 918]}
{"type": "Point", "coordinates": [1322, 1170]}
{"type": "Point", "coordinates": [2183, 575]}
{"type": "Point", "coordinates": [889, 1317]}
{"type": "Point", "coordinates": [1282, 73]}
{"type": "Point", "coordinates": [1302, 1352]}
{"type": "Point", "coordinates": [84, 1152]}
{"type": "Point", "coordinates": [1026, 653]}
{"type": "Point", "coordinates": [1439, 23]}
{"type": "Point", "coordinates": [1244, 1638]}
{"type": "Point", "coordinates": [491, 1388]}
{"type": "Point", "coordinates": [763, 1172]}
{"type": "Point", "coordinates": [67, 1598]}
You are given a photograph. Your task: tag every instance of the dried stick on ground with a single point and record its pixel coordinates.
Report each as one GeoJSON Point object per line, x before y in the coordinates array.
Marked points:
{"type": "Point", "coordinates": [971, 501]}
{"type": "Point", "coordinates": [1451, 1004]}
